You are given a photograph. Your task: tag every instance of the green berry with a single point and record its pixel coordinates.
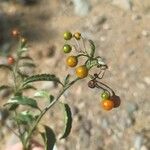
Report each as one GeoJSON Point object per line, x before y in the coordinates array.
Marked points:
{"type": "Point", "coordinates": [105, 95]}
{"type": "Point", "coordinates": [67, 35]}
{"type": "Point", "coordinates": [67, 48]}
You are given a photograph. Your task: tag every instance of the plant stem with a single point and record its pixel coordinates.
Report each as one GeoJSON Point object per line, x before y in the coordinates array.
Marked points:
{"type": "Point", "coordinates": [48, 107]}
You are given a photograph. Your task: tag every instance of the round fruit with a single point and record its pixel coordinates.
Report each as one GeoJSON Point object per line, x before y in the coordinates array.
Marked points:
{"type": "Point", "coordinates": [67, 35]}
{"type": "Point", "coordinates": [91, 84]}
{"type": "Point", "coordinates": [107, 104]}
{"type": "Point", "coordinates": [82, 71]}
{"type": "Point", "coordinates": [77, 35]}
{"type": "Point", "coordinates": [72, 61]}
{"type": "Point", "coordinates": [10, 60]}
{"type": "Point", "coordinates": [105, 95]}
{"type": "Point", "coordinates": [15, 33]}
{"type": "Point", "coordinates": [67, 48]}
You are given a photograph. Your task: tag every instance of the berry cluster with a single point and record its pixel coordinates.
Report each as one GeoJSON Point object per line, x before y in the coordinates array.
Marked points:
{"type": "Point", "coordinates": [109, 99]}
{"type": "Point", "coordinates": [72, 61]}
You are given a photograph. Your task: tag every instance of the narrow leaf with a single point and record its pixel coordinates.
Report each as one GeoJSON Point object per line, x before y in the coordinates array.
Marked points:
{"type": "Point", "coordinates": [24, 118]}
{"type": "Point", "coordinates": [92, 45]}
{"type": "Point", "coordinates": [49, 138]}
{"type": "Point", "coordinates": [27, 87]}
{"type": "Point", "coordinates": [22, 74]}
{"type": "Point", "coordinates": [51, 98]}
{"type": "Point", "coordinates": [26, 58]}
{"type": "Point", "coordinates": [22, 100]}
{"type": "Point", "coordinates": [67, 120]}
{"type": "Point", "coordinates": [66, 81]}
{"type": "Point", "coordinates": [28, 64]}
{"type": "Point", "coordinates": [41, 77]}
{"type": "Point", "coordinates": [2, 87]}
{"type": "Point", "coordinates": [5, 67]}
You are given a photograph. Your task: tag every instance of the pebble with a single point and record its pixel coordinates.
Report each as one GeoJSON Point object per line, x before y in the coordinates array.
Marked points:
{"type": "Point", "coordinates": [106, 26]}
{"type": "Point", "coordinates": [95, 24]}
{"type": "Point", "coordinates": [145, 33]}
{"type": "Point", "coordinates": [136, 17]}
{"type": "Point", "coordinates": [82, 7]}
{"type": "Point", "coordinates": [131, 107]}
{"type": "Point", "coordinates": [138, 141]}
{"type": "Point", "coordinates": [124, 4]}
{"type": "Point", "coordinates": [147, 80]}
{"type": "Point", "coordinates": [144, 148]}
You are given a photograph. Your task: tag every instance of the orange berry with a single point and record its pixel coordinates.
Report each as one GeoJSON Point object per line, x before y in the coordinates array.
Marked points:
{"type": "Point", "coordinates": [107, 104]}
{"type": "Point", "coordinates": [15, 33]}
{"type": "Point", "coordinates": [82, 71]}
{"type": "Point", "coordinates": [10, 60]}
{"type": "Point", "coordinates": [72, 61]}
{"type": "Point", "coordinates": [77, 35]}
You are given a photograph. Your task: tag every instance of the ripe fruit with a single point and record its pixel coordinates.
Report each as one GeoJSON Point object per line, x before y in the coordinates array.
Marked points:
{"type": "Point", "coordinates": [105, 95]}
{"type": "Point", "coordinates": [77, 35]}
{"type": "Point", "coordinates": [72, 61]}
{"type": "Point", "coordinates": [67, 48]}
{"type": "Point", "coordinates": [67, 35]}
{"type": "Point", "coordinates": [10, 60]}
{"type": "Point", "coordinates": [82, 71]}
{"type": "Point", "coordinates": [107, 104]}
{"type": "Point", "coordinates": [15, 33]}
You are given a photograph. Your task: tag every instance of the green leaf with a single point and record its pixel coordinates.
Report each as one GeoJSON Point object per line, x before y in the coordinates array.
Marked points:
{"type": "Point", "coordinates": [42, 94]}
{"type": "Point", "coordinates": [91, 63]}
{"type": "Point", "coordinates": [92, 45]}
{"type": "Point", "coordinates": [5, 67]}
{"type": "Point", "coordinates": [49, 138]}
{"type": "Point", "coordinates": [26, 58]}
{"type": "Point", "coordinates": [67, 120]}
{"type": "Point", "coordinates": [28, 64]}
{"type": "Point", "coordinates": [41, 77]}
{"type": "Point", "coordinates": [2, 87]}
{"type": "Point", "coordinates": [23, 75]}
{"type": "Point", "coordinates": [27, 87]}
{"type": "Point", "coordinates": [66, 81]}
{"type": "Point", "coordinates": [51, 98]}
{"type": "Point", "coordinates": [25, 118]}
{"type": "Point", "coordinates": [22, 100]}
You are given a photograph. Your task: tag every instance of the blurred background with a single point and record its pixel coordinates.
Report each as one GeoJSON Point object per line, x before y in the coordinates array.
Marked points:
{"type": "Point", "coordinates": [121, 32]}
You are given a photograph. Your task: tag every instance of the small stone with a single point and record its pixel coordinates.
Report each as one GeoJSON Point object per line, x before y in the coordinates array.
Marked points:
{"type": "Point", "coordinates": [135, 17]}
{"type": "Point", "coordinates": [103, 38]}
{"type": "Point", "coordinates": [138, 141]}
{"type": "Point", "coordinates": [131, 107]}
{"type": "Point", "coordinates": [124, 4]}
{"type": "Point", "coordinates": [82, 7]}
{"type": "Point", "coordinates": [147, 80]}
{"type": "Point", "coordinates": [144, 148]}
{"type": "Point", "coordinates": [145, 33]}
{"type": "Point", "coordinates": [106, 27]}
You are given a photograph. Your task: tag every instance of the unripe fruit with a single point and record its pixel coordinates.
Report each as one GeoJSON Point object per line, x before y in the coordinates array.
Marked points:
{"type": "Point", "coordinates": [67, 35]}
{"type": "Point", "coordinates": [67, 48]}
{"type": "Point", "coordinates": [105, 95]}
